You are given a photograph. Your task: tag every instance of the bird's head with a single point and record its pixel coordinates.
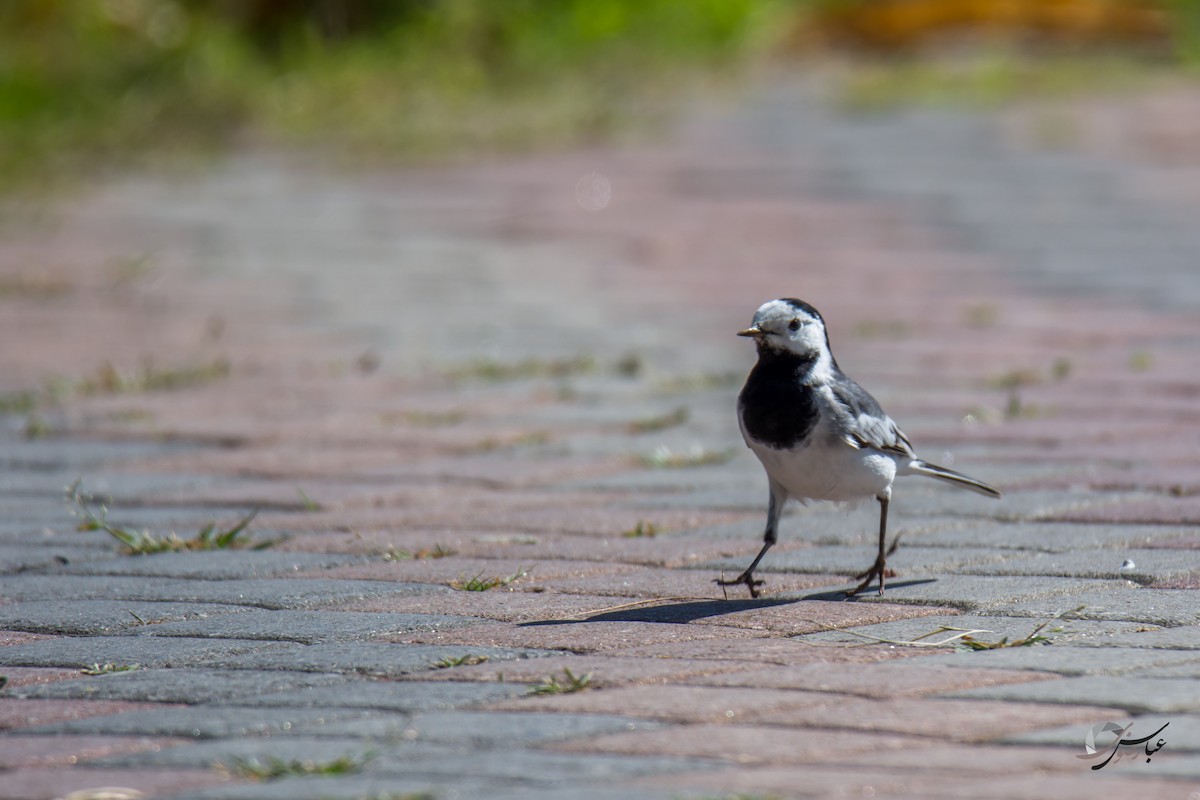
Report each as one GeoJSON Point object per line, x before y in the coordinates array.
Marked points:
{"type": "Point", "coordinates": [789, 325]}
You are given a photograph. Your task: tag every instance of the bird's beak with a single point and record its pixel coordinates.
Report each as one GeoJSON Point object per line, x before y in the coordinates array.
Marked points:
{"type": "Point", "coordinates": [753, 330]}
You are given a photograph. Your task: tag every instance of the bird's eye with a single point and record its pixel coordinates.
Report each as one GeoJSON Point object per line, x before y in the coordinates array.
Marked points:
{"type": "Point", "coordinates": [794, 325]}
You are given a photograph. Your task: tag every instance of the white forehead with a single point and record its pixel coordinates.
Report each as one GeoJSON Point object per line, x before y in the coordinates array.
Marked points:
{"type": "Point", "coordinates": [777, 311]}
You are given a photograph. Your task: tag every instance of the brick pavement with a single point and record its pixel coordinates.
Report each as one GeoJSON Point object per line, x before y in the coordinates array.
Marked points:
{"type": "Point", "coordinates": [431, 375]}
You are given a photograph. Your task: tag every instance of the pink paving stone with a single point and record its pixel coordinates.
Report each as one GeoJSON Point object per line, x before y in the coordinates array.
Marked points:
{"type": "Point", "coordinates": [672, 703]}
{"type": "Point", "coordinates": [741, 743]}
{"type": "Point", "coordinates": [24, 752]}
{"type": "Point", "coordinates": [28, 676]}
{"type": "Point", "coordinates": [772, 650]}
{"type": "Point", "coordinates": [20, 637]}
{"type": "Point", "coordinates": [957, 720]}
{"type": "Point", "coordinates": [606, 671]}
{"type": "Point", "coordinates": [808, 616]}
{"type": "Point", "coordinates": [506, 606]}
{"type": "Point", "coordinates": [16, 713]}
{"type": "Point", "coordinates": [684, 584]}
{"type": "Point", "coordinates": [915, 783]}
{"type": "Point", "coordinates": [454, 569]}
{"type": "Point", "coordinates": [43, 783]}
{"type": "Point", "coordinates": [575, 637]}
{"type": "Point", "coordinates": [883, 681]}
{"type": "Point", "coordinates": [665, 549]}
{"type": "Point", "coordinates": [1162, 510]}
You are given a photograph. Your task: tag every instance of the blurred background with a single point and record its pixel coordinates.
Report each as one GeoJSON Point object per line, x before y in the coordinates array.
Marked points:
{"type": "Point", "coordinates": [87, 83]}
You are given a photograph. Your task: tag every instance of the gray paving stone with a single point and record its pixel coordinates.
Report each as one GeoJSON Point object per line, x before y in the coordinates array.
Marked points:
{"type": "Point", "coordinates": [1182, 734]}
{"type": "Point", "coordinates": [208, 722]}
{"type": "Point", "coordinates": [144, 650]}
{"type": "Point", "coordinates": [1185, 637]}
{"type": "Point", "coordinates": [1148, 565]}
{"type": "Point", "coordinates": [1050, 537]}
{"type": "Point", "coordinates": [21, 557]}
{"type": "Point", "coordinates": [79, 456]}
{"type": "Point", "coordinates": [191, 686]}
{"type": "Point", "coordinates": [1134, 695]}
{"type": "Point", "coordinates": [848, 560]}
{"type": "Point", "coordinates": [306, 746]}
{"type": "Point", "coordinates": [389, 695]}
{"type": "Point", "coordinates": [357, 787]}
{"type": "Point", "coordinates": [978, 592]}
{"type": "Point", "coordinates": [368, 658]}
{"type": "Point", "coordinates": [1015, 506]}
{"type": "Point", "coordinates": [101, 617]}
{"type": "Point", "coordinates": [1167, 607]}
{"type": "Point", "coordinates": [1074, 661]}
{"type": "Point", "coordinates": [535, 768]}
{"type": "Point", "coordinates": [1061, 632]}
{"type": "Point", "coordinates": [212, 565]}
{"type": "Point", "coordinates": [489, 729]}
{"type": "Point", "coordinates": [271, 593]}
{"type": "Point", "coordinates": [308, 627]}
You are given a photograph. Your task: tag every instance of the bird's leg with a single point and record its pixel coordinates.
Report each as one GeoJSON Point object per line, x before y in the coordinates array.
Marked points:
{"type": "Point", "coordinates": [880, 566]}
{"type": "Point", "coordinates": [774, 509]}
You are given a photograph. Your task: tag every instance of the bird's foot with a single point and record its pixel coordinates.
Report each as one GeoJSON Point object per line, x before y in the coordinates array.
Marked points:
{"type": "Point", "coordinates": [746, 578]}
{"type": "Point", "coordinates": [878, 570]}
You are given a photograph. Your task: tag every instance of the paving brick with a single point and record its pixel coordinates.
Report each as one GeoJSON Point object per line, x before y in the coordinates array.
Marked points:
{"type": "Point", "coordinates": [35, 783]}
{"type": "Point", "coordinates": [989, 628]}
{"type": "Point", "coordinates": [839, 781]}
{"type": "Point", "coordinates": [1067, 660]}
{"type": "Point", "coordinates": [1126, 603]}
{"type": "Point", "coordinates": [207, 722]}
{"type": "Point", "coordinates": [1132, 694]}
{"type": "Point", "coordinates": [26, 714]}
{"type": "Point", "coordinates": [575, 636]}
{"type": "Point", "coordinates": [1140, 565]}
{"type": "Point", "coordinates": [972, 720]}
{"type": "Point", "coordinates": [671, 703]}
{"type": "Point", "coordinates": [216, 565]}
{"type": "Point", "coordinates": [182, 685]}
{"type": "Point", "coordinates": [25, 752]}
{"type": "Point", "coordinates": [100, 617]}
{"type": "Point", "coordinates": [262, 592]}
{"type": "Point", "coordinates": [741, 743]}
{"type": "Point", "coordinates": [604, 670]}
{"type": "Point", "coordinates": [144, 650]}
{"type": "Point", "coordinates": [886, 681]}
{"type": "Point", "coordinates": [974, 593]}
{"type": "Point", "coordinates": [368, 658]}
{"type": "Point", "coordinates": [307, 626]}
{"type": "Point", "coordinates": [388, 695]}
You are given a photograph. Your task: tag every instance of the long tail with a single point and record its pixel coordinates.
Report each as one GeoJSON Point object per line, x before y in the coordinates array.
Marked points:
{"type": "Point", "coordinates": [950, 476]}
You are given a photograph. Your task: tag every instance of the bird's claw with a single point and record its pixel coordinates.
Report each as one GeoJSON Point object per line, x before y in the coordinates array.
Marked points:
{"type": "Point", "coordinates": [746, 578]}
{"type": "Point", "coordinates": [878, 570]}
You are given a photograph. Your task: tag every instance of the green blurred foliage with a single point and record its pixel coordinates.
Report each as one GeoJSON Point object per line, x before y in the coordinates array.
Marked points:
{"type": "Point", "coordinates": [81, 79]}
{"type": "Point", "coordinates": [84, 82]}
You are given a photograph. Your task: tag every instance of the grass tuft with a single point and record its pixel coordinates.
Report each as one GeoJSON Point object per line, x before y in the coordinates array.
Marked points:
{"type": "Point", "coordinates": [394, 553]}
{"type": "Point", "coordinates": [468, 660]}
{"type": "Point", "coordinates": [572, 683]}
{"type": "Point", "coordinates": [109, 668]}
{"type": "Point", "coordinates": [143, 542]}
{"type": "Point", "coordinates": [663, 457]}
{"type": "Point", "coordinates": [643, 529]}
{"type": "Point", "coordinates": [660, 422]}
{"type": "Point", "coordinates": [270, 768]}
{"type": "Point", "coordinates": [478, 583]}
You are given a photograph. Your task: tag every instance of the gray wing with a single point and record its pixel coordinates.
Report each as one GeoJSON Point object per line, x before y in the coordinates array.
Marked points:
{"type": "Point", "coordinates": [868, 424]}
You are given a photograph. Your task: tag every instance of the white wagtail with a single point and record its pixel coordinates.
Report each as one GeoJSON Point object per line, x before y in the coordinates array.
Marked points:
{"type": "Point", "coordinates": [819, 435]}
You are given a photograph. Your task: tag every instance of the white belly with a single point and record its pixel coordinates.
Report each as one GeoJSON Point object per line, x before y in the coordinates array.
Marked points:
{"type": "Point", "coordinates": [829, 470]}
